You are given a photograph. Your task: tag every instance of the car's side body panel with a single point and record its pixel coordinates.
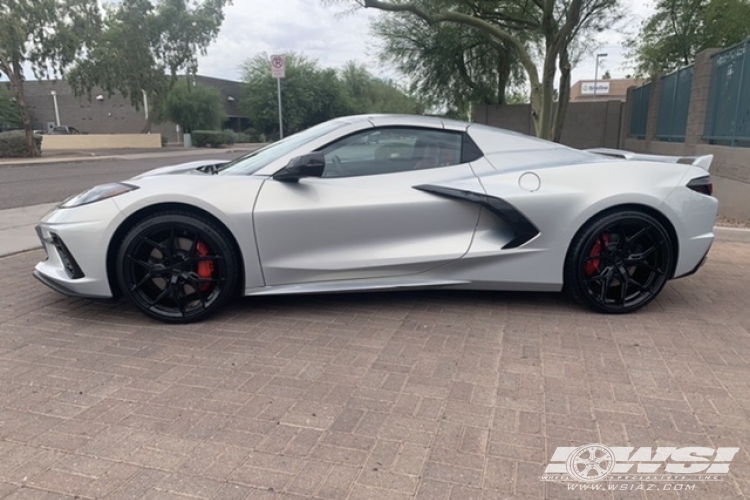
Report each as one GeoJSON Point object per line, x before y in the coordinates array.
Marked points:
{"type": "Point", "coordinates": [322, 229]}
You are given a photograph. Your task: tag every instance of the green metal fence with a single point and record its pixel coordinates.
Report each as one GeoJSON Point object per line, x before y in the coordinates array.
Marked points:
{"type": "Point", "coordinates": [639, 111]}
{"type": "Point", "coordinates": [728, 116]}
{"type": "Point", "coordinates": [674, 105]}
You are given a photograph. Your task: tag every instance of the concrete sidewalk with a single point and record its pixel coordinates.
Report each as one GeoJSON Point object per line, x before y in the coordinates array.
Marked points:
{"type": "Point", "coordinates": [135, 154]}
{"type": "Point", "coordinates": [17, 229]}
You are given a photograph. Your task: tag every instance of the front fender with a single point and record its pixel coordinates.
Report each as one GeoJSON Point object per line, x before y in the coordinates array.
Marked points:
{"type": "Point", "coordinates": [229, 199]}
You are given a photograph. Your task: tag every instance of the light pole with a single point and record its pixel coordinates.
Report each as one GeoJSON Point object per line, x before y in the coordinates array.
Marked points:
{"type": "Point", "coordinates": [57, 110]}
{"type": "Point", "coordinates": [596, 72]}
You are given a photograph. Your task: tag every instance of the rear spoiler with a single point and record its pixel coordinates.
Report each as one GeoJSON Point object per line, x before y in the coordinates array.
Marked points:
{"type": "Point", "coordinates": [703, 162]}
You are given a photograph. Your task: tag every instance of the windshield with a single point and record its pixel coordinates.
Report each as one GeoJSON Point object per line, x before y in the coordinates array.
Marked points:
{"type": "Point", "coordinates": [256, 160]}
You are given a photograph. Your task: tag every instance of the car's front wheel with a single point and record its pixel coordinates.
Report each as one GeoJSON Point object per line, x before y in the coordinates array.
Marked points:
{"type": "Point", "coordinates": [619, 262]}
{"type": "Point", "coordinates": [177, 267]}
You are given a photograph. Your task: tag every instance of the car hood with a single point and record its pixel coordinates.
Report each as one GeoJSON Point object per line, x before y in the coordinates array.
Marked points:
{"type": "Point", "coordinates": [193, 167]}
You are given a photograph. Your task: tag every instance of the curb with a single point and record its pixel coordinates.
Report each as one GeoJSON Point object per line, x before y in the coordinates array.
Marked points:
{"type": "Point", "coordinates": [126, 157]}
{"type": "Point", "coordinates": [732, 234]}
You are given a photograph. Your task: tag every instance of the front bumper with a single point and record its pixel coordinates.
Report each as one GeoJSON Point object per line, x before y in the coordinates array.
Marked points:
{"type": "Point", "coordinates": [76, 242]}
{"type": "Point", "coordinates": [59, 286]}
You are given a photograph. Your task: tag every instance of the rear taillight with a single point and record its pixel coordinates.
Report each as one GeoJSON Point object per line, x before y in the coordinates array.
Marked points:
{"type": "Point", "coordinates": [702, 185]}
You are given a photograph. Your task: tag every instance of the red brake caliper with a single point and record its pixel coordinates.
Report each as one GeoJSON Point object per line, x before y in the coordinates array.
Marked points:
{"type": "Point", "coordinates": [592, 265]}
{"type": "Point", "coordinates": [205, 267]}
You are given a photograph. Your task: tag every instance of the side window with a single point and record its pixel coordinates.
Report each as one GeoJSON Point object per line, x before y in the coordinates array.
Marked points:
{"type": "Point", "coordinates": [392, 149]}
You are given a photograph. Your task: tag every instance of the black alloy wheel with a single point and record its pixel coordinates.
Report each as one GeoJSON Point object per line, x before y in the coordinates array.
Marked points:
{"type": "Point", "coordinates": [619, 262]}
{"type": "Point", "coordinates": [176, 267]}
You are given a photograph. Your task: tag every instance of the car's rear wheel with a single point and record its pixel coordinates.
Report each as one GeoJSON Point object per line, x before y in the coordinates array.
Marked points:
{"type": "Point", "coordinates": [177, 267]}
{"type": "Point", "coordinates": [619, 262]}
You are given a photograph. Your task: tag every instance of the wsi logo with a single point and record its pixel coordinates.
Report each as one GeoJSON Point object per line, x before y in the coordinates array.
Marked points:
{"type": "Point", "coordinates": [597, 462]}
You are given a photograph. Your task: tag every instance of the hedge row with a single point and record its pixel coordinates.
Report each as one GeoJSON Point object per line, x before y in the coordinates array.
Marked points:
{"type": "Point", "coordinates": [13, 144]}
{"type": "Point", "coordinates": [211, 138]}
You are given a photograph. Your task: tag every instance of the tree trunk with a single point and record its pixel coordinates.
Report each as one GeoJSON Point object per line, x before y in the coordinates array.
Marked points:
{"type": "Point", "coordinates": [147, 125]}
{"type": "Point", "coordinates": [503, 75]}
{"type": "Point", "coordinates": [546, 97]}
{"type": "Point", "coordinates": [16, 84]}
{"type": "Point", "coordinates": [536, 106]}
{"type": "Point", "coordinates": [561, 110]}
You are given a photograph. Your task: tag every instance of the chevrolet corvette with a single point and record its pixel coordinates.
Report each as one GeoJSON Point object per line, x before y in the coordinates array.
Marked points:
{"type": "Point", "coordinates": [383, 202]}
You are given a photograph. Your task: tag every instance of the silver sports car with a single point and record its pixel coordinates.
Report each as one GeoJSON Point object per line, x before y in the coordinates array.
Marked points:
{"type": "Point", "coordinates": [386, 202]}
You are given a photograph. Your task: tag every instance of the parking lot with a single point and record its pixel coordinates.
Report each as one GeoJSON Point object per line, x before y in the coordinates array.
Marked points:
{"type": "Point", "coordinates": [428, 395]}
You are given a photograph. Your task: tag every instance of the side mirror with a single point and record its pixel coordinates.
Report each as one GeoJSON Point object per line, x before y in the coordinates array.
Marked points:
{"type": "Point", "coordinates": [309, 165]}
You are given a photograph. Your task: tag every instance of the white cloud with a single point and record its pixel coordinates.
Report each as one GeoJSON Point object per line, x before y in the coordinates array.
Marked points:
{"type": "Point", "coordinates": [611, 43]}
{"type": "Point", "coordinates": [321, 32]}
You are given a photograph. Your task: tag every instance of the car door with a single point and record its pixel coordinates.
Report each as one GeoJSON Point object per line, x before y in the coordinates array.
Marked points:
{"type": "Point", "coordinates": [364, 219]}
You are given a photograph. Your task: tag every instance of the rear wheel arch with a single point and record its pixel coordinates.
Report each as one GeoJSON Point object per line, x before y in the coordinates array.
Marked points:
{"type": "Point", "coordinates": [146, 212]}
{"type": "Point", "coordinates": [630, 269]}
{"type": "Point", "coordinates": [634, 207]}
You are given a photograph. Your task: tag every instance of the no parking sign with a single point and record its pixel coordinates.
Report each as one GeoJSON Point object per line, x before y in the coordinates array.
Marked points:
{"type": "Point", "coordinates": [278, 66]}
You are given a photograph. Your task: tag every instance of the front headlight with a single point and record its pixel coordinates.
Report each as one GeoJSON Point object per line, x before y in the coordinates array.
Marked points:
{"type": "Point", "coordinates": [98, 193]}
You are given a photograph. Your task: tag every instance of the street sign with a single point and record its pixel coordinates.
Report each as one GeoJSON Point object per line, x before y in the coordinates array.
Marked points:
{"type": "Point", "coordinates": [278, 66]}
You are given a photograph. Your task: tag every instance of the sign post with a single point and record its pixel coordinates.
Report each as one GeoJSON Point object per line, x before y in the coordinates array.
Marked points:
{"type": "Point", "coordinates": [278, 71]}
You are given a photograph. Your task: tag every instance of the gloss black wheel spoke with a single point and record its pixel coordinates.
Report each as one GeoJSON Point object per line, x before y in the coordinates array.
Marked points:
{"type": "Point", "coordinates": [605, 287]}
{"type": "Point", "coordinates": [640, 286]}
{"type": "Point", "coordinates": [624, 281]}
{"type": "Point", "coordinates": [161, 296]}
{"type": "Point", "coordinates": [178, 301]}
{"type": "Point", "coordinates": [146, 278]}
{"type": "Point", "coordinates": [653, 269]}
{"type": "Point", "coordinates": [141, 263]}
{"type": "Point", "coordinates": [636, 236]}
{"type": "Point", "coordinates": [154, 244]}
{"type": "Point", "coordinates": [193, 282]}
{"type": "Point", "coordinates": [599, 277]}
{"type": "Point", "coordinates": [193, 248]}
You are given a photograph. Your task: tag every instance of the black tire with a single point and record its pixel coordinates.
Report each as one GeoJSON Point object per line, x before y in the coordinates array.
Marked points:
{"type": "Point", "coordinates": [177, 267]}
{"type": "Point", "coordinates": [619, 262]}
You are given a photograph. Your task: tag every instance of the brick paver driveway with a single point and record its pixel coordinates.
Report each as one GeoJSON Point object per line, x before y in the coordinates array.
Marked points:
{"type": "Point", "coordinates": [429, 395]}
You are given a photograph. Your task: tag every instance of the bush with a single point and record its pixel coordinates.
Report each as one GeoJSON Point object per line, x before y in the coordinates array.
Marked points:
{"type": "Point", "coordinates": [253, 135]}
{"type": "Point", "coordinates": [242, 138]}
{"type": "Point", "coordinates": [237, 137]}
{"type": "Point", "coordinates": [13, 144]}
{"type": "Point", "coordinates": [211, 138]}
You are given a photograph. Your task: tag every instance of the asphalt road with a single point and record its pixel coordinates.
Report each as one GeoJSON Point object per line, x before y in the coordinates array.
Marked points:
{"type": "Point", "coordinates": [47, 183]}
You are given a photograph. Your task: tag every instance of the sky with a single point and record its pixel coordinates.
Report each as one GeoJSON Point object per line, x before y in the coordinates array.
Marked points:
{"type": "Point", "coordinates": [334, 36]}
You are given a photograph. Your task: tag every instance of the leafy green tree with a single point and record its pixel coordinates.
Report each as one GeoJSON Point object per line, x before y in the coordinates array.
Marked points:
{"type": "Point", "coordinates": [310, 94]}
{"type": "Point", "coordinates": [680, 29]}
{"type": "Point", "coordinates": [10, 116]}
{"type": "Point", "coordinates": [543, 34]}
{"type": "Point", "coordinates": [194, 107]}
{"type": "Point", "coordinates": [450, 65]}
{"type": "Point", "coordinates": [369, 94]}
{"type": "Point", "coordinates": [46, 34]}
{"type": "Point", "coordinates": [143, 47]}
